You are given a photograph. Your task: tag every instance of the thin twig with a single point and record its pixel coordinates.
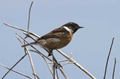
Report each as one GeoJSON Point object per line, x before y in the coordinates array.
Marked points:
{"type": "Point", "coordinates": [13, 66]}
{"type": "Point", "coordinates": [29, 17]}
{"type": "Point", "coordinates": [36, 50]}
{"type": "Point", "coordinates": [57, 73]}
{"type": "Point", "coordinates": [77, 64]}
{"type": "Point", "coordinates": [44, 57]}
{"type": "Point", "coordinates": [27, 52]}
{"type": "Point", "coordinates": [26, 49]}
{"type": "Point", "coordinates": [114, 69]}
{"type": "Point", "coordinates": [18, 39]}
{"type": "Point", "coordinates": [61, 70]}
{"type": "Point", "coordinates": [15, 27]}
{"type": "Point", "coordinates": [59, 67]}
{"type": "Point", "coordinates": [31, 33]}
{"type": "Point", "coordinates": [30, 58]}
{"type": "Point", "coordinates": [31, 62]}
{"type": "Point", "coordinates": [35, 41]}
{"type": "Point", "coordinates": [66, 63]}
{"type": "Point", "coordinates": [15, 71]}
{"type": "Point", "coordinates": [108, 59]}
{"type": "Point", "coordinates": [53, 62]}
{"type": "Point", "coordinates": [49, 67]}
{"type": "Point", "coordinates": [63, 60]}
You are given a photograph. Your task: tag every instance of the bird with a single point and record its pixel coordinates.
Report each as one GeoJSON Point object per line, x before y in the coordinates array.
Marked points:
{"type": "Point", "coordinates": [57, 38]}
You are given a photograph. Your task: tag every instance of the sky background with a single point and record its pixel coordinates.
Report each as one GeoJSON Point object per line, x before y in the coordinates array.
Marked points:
{"type": "Point", "coordinates": [101, 21]}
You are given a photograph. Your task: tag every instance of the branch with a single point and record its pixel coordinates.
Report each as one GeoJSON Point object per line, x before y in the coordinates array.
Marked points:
{"type": "Point", "coordinates": [49, 67]}
{"type": "Point", "coordinates": [29, 16]}
{"type": "Point", "coordinates": [114, 69]}
{"type": "Point", "coordinates": [54, 66]}
{"type": "Point", "coordinates": [13, 66]}
{"type": "Point", "coordinates": [29, 56]}
{"type": "Point", "coordinates": [77, 64]}
{"type": "Point", "coordinates": [36, 50]}
{"type": "Point", "coordinates": [15, 71]}
{"type": "Point", "coordinates": [44, 57]}
{"type": "Point", "coordinates": [108, 59]}
{"type": "Point", "coordinates": [31, 62]}
{"type": "Point", "coordinates": [15, 27]}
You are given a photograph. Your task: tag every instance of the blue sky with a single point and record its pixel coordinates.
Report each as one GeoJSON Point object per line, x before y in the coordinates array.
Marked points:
{"type": "Point", "coordinates": [90, 45]}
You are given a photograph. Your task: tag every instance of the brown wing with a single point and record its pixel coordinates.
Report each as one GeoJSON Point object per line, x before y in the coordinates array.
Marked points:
{"type": "Point", "coordinates": [57, 33]}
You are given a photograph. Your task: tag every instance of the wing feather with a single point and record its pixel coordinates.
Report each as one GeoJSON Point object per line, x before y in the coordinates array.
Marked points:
{"type": "Point", "coordinates": [57, 33]}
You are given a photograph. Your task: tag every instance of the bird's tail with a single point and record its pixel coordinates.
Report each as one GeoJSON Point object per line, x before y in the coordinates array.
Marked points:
{"type": "Point", "coordinates": [28, 44]}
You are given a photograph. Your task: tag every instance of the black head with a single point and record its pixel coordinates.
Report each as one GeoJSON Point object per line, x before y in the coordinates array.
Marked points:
{"type": "Point", "coordinates": [72, 26]}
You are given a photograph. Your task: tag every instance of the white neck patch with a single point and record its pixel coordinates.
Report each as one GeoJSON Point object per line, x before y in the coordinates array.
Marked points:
{"type": "Point", "coordinates": [69, 30]}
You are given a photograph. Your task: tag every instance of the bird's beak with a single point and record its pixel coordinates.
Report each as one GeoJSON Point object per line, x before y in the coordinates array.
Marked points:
{"type": "Point", "coordinates": [81, 27]}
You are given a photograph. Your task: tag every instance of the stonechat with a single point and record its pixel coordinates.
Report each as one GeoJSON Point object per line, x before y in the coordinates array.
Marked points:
{"type": "Point", "coordinates": [57, 38]}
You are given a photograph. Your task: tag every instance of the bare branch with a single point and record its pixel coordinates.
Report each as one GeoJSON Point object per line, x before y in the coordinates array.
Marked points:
{"type": "Point", "coordinates": [48, 63]}
{"type": "Point", "coordinates": [108, 59]}
{"type": "Point", "coordinates": [54, 66]}
{"type": "Point", "coordinates": [77, 64]}
{"type": "Point", "coordinates": [13, 66]}
{"type": "Point", "coordinates": [114, 69]}
{"type": "Point", "coordinates": [31, 62]}
{"type": "Point", "coordinates": [44, 57]}
{"type": "Point", "coordinates": [15, 71]}
{"type": "Point", "coordinates": [39, 53]}
{"type": "Point", "coordinates": [49, 67]}
{"type": "Point", "coordinates": [18, 38]}
{"type": "Point", "coordinates": [29, 17]}
{"type": "Point", "coordinates": [61, 70]}
{"type": "Point", "coordinates": [15, 27]}
{"type": "Point", "coordinates": [30, 58]}
{"type": "Point", "coordinates": [36, 50]}
{"type": "Point", "coordinates": [26, 49]}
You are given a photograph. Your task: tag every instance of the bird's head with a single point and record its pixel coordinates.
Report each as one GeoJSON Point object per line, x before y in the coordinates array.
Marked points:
{"type": "Point", "coordinates": [72, 26]}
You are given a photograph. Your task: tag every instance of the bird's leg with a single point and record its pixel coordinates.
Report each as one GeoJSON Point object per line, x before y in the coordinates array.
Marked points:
{"type": "Point", "coordinates": [54, 59]}
{"type": "Point", "coordinates": [56, 63]}
{"type": "Point", "coordinates": [50, 52]}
